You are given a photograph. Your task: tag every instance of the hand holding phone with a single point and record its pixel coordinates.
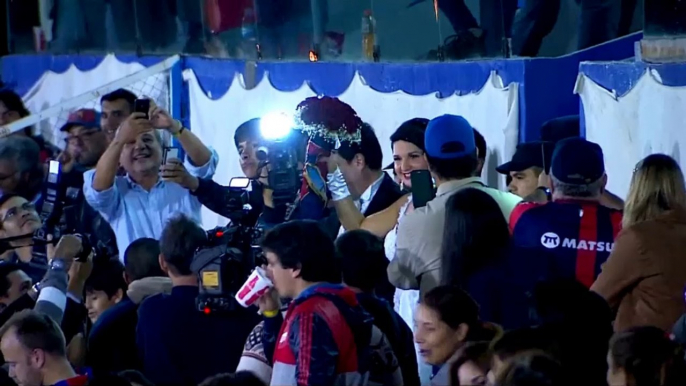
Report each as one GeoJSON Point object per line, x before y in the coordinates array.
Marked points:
{"type": "Point", "coordinates": [170, 153]}
{"type": "Point", "coordinates": [142, 105]}
{"type": "Point", "coordinates": [422, 188]}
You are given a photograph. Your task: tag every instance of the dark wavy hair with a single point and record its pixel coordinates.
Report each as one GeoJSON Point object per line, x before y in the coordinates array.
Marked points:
{"type": "Point", "coordinates": [475, 235]}
{"type": "Point", "coordinates": [648, 357]}
{"type": "Point", "coordinates": [455, 307]}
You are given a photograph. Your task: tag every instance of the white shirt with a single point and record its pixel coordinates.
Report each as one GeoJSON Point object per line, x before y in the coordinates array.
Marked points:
{"type": "Point", "coordinates": [366, 198]}
{"type": "Point", "coordinates": [134, 212]}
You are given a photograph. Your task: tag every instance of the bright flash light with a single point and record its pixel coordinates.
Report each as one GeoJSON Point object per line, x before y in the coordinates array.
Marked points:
{"type": "Point", "coordinates": [276, 126]}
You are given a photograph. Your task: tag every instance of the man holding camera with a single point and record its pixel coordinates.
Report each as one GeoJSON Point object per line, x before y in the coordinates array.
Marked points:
{"type": "Point", "coordinates": [266, 210]}
{"type": "Point", "coordinates": [139, 204]}
{"type": "Point", "coordinates": [86, 142]}
{"type": "Point", "coordinates": [217, 198]}
{"type": "Point", "coordinates": [179, 344]}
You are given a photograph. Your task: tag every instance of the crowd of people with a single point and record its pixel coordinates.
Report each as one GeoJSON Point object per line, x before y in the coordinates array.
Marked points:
{"type": "Point", "coordinates": [292, 29]}
{"type": "Point", "coordinates": [555, 282]}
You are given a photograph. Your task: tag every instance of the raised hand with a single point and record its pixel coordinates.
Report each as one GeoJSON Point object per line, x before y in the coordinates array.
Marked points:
{"type": "Point", "coordinates": [174, 171]}
{"type": "Point", "coordinates": [132, 127]}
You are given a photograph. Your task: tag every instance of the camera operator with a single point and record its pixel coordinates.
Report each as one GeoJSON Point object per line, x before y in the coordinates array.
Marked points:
{"type": "Point", "coordinates": [177, 343]}
{"type": "Point", "coordinates": [265, 210]}
{"type": "Point", "coordinates": [85, 144]}
{"type": "Point", "coordinates": [217, 198]}
{"type": "Point", "coordinates": [138, 205]}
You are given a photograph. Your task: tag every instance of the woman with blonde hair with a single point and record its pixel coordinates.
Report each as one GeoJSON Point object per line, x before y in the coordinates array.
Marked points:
{"type": "Point", "coordinates": [645, 275]}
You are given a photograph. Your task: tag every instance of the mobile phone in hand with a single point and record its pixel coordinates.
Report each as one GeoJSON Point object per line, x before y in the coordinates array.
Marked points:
{"type": "Point", "coordinates": [169, 153]}
{"type": "Point", "coordinates": [142, 105]}
{"type": "Point", "coordinates": [423, 189]}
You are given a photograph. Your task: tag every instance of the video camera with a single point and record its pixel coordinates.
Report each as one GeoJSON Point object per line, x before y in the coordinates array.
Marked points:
{"type": "Point", "coordinates": [60, 202]}
{"type": "Point", "coordinates": [223, 264]}
{"type": "Point", "coordinates": [280, 155]}
{"type": "Point", "coordinates": [237, 199]}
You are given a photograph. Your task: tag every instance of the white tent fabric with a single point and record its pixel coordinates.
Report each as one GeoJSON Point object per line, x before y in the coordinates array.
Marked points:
{"type": "Point", "coordinates": [494, 111]}
{"type": "Point", "coordinates": [648, 119]}
{"type": "Point", "coordinates": [53, 88]}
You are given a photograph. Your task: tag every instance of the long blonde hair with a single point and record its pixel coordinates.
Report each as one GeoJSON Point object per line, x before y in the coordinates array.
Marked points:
{"type": "Point", "coordinates": [657, 186]}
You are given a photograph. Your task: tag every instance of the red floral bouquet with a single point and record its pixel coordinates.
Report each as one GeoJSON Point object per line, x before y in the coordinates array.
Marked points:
{"type": "Point", "coordinates": [328, 119]}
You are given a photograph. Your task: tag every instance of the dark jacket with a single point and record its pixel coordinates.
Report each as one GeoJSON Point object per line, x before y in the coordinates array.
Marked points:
{"type": "Point", "coordinates": [398, 334]}
{"type": "Point", "coordinates": [180, 345]}
{"type": "Point", "coordinates": [328, 335]}
{"type": "Point", "coordinates": [580, 234]}
{"type": "Point", "coordinates": [218, 199]}
{"type": "Point", "coordinates": [504, 288]}
{"type": "Point", "coordinates": [73, 321]}
{"type": "Point", "coordinates": [83, 219]}
{"type": "Point", "coordinates": [112, 339]}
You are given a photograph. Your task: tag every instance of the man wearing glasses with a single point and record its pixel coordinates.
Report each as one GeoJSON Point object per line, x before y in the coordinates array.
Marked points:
{"type": "Point", "coordinates": [85, 143]}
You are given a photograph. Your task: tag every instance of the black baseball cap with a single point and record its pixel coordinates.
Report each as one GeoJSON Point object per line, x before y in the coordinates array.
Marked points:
{"type": "Point", "coordinates": [560, 128]}
{"type": "Point", "coordinates": [528, 155]}
{"type": "Point", "coordinates": [578, 161]}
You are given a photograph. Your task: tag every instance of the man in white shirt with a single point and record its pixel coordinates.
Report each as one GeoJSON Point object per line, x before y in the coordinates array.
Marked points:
{"type": "Point", "coordinates": [139, 204]}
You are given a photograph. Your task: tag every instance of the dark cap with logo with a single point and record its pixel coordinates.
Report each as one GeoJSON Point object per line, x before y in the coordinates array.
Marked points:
{"type": "Point", "coordinates": [83, 117]}
{"type": "Point", "coordinates": [449, 137]}
{"type": "Point", "coordinates": [529, 155]}
{"type": "Point", "coordinates": [577, 161]}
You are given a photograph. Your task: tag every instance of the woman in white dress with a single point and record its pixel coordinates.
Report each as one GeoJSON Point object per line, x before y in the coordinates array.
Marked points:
{"type": "Point", "coordinates": [408, 155]}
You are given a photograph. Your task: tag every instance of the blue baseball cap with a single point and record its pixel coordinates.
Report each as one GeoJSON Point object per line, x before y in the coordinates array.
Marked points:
{"type": "Point", "coordinates": [577, 161]}
{"type": "Point", "coordinates": [448, 137]}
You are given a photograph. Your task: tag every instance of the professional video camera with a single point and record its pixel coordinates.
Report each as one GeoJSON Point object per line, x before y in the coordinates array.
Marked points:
{"type": "Point", "coordinates": [224, 263]}
{"type": "Point", "coordinates": [58, 212]}
{"type": "Point", "coordinates": [238, 199]}
{"type": "Point", "coordinates": [280, 155]}
{"type": "Point", "coordinates": [82, 256]}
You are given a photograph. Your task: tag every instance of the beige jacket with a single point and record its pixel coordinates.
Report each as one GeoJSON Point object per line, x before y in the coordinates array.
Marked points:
{"type": "Point", "coordinates": [645, 276]}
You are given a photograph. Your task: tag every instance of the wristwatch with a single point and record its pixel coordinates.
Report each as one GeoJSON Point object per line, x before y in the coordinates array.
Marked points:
{"type": "Point", "coordinates": [57, 264]}
{"type": "Point", "coordinates": [546, 191]}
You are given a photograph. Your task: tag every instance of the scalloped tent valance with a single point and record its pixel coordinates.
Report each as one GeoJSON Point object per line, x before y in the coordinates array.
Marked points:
{"type": "Point", "coordinates": [646, 118]}
{"type": "Point", "coordinates": [545, 90]}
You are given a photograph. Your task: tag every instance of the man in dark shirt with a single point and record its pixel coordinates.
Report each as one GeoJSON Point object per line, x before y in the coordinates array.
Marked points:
{"type": "Point", "coordinates": [574, 227]}
{"type": "Point", "coordinates": [177, 343]}
{"type": "Point", "coordinates": [364, 265]}
{"type": "Point", "coordinates": [112, 340]}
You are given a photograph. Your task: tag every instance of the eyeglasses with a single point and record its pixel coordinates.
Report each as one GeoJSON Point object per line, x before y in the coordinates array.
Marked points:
{"type": "Point", "coordinates": [14, 211]}
{"type": "Point", "coordinates": [73, 139]}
